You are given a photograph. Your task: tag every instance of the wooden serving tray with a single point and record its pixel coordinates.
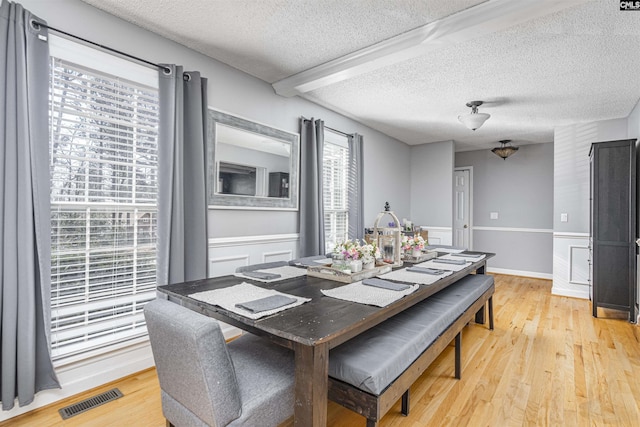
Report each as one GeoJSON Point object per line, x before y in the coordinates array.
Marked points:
{"type": "Point", "coordinates": [423, 257]}
{"type": "Point", "coordinates": [330, 273]}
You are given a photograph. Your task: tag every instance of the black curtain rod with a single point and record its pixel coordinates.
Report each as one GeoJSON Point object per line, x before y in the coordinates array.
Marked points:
{"type": "Point", "coordinates": [331, 129]}
{"type": "Point", "coordinates": [37, 24]}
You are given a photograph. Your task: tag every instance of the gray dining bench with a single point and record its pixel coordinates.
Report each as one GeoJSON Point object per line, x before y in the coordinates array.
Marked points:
{"type": "Point", "coordinates": [369, 373]}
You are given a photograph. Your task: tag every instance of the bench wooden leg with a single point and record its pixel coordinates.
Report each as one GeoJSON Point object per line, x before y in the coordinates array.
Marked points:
{"type": "Point", "coordinates": [480, 316]}
{"type": "Point", "coordinates": [491, 312]}
{"type": "Point", "coordinates": [372, 423]}
{"type": "Point", "coordinates": [405, 403]}
{"type": "Point", "coordinates": [458, 355]}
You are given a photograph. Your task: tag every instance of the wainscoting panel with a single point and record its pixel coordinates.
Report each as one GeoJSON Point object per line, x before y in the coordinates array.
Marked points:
{"type": "Point", "coordinates": [439, 235]}
{"type": "Point", "coordinates": [225, 265]}
{"type": "Point", "coordinates": [571, 271]}
{"type": "Point", "coordinates": [579, 265]}
{"type": "Point", "coordinates": [228, 253]}
{"type": "Point", "coordinates": [278, 256]}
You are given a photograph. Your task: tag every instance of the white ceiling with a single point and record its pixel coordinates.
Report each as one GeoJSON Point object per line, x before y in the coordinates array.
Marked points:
{"type": "Point", "coordinates": [537, 64]}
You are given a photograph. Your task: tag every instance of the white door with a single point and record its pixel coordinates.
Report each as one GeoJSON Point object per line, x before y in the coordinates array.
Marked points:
{"type": "Point", "coordinates": [461, 208]}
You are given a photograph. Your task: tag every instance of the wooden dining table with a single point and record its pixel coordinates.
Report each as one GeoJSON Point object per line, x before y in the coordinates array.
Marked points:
{"type": "Point", "coordinates": [310, 329]}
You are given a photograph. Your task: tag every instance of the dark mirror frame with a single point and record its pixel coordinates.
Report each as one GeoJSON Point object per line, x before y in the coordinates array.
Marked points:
{"type": "Point", "coordinates": [232, 201]}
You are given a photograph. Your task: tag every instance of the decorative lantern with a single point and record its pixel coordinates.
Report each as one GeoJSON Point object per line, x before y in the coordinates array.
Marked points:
{"type": "Point", "coordinates": [389, 238]}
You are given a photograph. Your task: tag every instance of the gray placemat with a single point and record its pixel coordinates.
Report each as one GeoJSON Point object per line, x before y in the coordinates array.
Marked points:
{"type": "Point", "coordinates": [262, 266]}
{"type": "Point", "coordinates": [311, 261]}
{"type": "Point", "coordinates": [425, 270]}
{"type": "Point", "coordinates": [403, 275]}
{"type": "Point", "coordinates": [470, 256]}
{"type": "Point", "coordinates": [385, 284]}
{"type": "Point", "coordinates": [370, 295]}
{"type": "Point", "coordinates": [449, 261]}
{"type": "Point", "coordinates": [283, 272]}
{"type": "Point", "coordinates": [227, 298]}
{"type": "Point", "coordinates": [442, 266]}
{"type": "Point", "coordinates": [261, 275]}
{"type": "Point", "coordinates": [266, 303]}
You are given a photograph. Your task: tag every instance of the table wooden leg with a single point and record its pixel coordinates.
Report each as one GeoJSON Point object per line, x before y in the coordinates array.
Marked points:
{"type": "Point", "coordinates": [481, 269]}
{"type": "Point", "coordinates": [480, 314]}
{"type": "Point", "coordinates": [312, 382]}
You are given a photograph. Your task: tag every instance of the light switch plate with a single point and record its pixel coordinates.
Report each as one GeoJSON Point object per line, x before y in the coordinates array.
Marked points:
{"type": "Point", "coordinates": [564, 217]}
{"type": "Point", "coordinates": [493, 215]}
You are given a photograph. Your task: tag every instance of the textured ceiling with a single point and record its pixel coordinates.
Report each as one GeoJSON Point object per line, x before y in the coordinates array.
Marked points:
{"type": "Point", "coordinates": [576, 65]}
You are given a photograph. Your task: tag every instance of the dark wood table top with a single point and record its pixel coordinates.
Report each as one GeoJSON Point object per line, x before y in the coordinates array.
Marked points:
{"type": "Point", "coordinates": [321, 320]}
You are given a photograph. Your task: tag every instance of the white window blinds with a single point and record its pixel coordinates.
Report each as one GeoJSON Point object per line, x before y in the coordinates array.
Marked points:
{"type": "Point", "coordinates": [335, 181]}
{"type": "Point", "coordinates": [104, 164]}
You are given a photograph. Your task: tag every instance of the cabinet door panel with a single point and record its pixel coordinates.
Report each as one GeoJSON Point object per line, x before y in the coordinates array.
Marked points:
{"type": "Point", "coordinates": [613, 194]}
{"type": "Point", "coordinates": [612, 275]}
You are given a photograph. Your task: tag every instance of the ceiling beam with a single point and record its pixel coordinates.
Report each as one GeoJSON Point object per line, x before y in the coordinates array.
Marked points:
{"type": "Point", "coordinates": [485, 18]}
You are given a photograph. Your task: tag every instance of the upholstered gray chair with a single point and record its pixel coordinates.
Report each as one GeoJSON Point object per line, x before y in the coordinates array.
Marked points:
{"type": "Point", "coordinates": [207, 382]}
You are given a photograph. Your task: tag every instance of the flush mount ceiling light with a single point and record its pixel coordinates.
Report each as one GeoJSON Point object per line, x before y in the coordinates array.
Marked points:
{"type": "Point", "coordinates": [505, 149]}
{"type": "Point", "coordinates": [474, 119]}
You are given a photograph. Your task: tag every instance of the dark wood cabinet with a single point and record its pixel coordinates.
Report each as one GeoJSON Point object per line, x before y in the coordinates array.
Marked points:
{"type": "Point", "coordinates": [278, 184]}
{"type": "Point", "coordinates": [613, 225]}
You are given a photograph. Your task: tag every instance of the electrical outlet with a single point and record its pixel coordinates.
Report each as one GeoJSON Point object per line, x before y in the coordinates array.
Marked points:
{"type": "Point", "coordinates": [493, 215]}
{"type": "Point", "coordinates": [564, 217]}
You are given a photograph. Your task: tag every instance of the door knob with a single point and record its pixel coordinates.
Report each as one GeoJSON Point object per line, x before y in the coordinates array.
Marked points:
{"type": "Point", "coordinates": [466, 226]}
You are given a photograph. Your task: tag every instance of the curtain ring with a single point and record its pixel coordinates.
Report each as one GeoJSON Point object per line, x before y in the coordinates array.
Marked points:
{"type": "Point", "coordinates": [34, 24]}
{"type": "Point", "coordinates": [186, 77]}
{"type": "Point", "coordinates": [166, 71]}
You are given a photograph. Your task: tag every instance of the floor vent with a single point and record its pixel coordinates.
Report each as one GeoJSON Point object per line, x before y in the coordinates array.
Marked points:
{"type": "Point", "coordinates": [92, 402]}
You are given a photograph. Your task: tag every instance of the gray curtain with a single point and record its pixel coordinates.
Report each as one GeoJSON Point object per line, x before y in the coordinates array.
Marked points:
{"type": "Point", "coordinates": [182, 204]}
{"type": "Point", "coordinates": [311, 205]}
{"type": "Point", "coordinates": [355, 180]}
{"type": "Point", "coordinates": [25, 229]}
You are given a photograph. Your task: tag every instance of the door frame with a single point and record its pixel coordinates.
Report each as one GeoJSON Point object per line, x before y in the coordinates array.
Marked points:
{"type": "Point", "coordinates": [470, 169]}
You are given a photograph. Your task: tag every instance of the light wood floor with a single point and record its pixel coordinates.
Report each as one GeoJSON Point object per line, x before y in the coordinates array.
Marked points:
{"type": "Point", "coordinates": [548, 362]}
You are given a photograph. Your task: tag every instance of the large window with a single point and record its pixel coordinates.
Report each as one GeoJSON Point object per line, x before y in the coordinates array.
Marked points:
{"type": "Point", "coordinates": [335, 181]}
{"type": "Point", "coordinates": [104, 163]}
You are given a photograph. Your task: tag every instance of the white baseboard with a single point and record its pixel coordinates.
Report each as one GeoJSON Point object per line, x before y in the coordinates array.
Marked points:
{"type": "Point", "coordinates": [573, 293]}
{"type": "Point", "coordinates": [532, 274]}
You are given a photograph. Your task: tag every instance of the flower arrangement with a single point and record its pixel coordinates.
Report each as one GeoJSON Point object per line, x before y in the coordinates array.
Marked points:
{"type": "Point", "coordinates": [369, 252]}
{"type": "Point", "coordinates": [353, 250]}
{"type": "Point", "coordinates": [348, 250]}
{"type": "Point", "coordinates": [416, 243]}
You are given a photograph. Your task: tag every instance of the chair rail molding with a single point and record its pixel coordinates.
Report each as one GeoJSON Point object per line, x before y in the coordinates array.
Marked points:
{"type": "Point", "coordinates": [216, 242]}
{"type": "Point", "coordinates": [513, 229]}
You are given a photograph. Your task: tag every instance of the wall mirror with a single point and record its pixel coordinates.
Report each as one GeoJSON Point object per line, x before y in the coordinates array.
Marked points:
{"type": "Point", "coordinates": [251, 165]}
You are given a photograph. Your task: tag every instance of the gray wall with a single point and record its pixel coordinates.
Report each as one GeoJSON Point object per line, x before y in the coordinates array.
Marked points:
{"type": "Point", "coordinates": [386, 161]}
{"type": "Point", "coordinates": [571, 170]}
{"type": "Point", "coordinates": [386, 176]}
{"type": "Point", "coordinates": [520, 190]}
{"type": "Point", "coordinates": [431, 184]}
